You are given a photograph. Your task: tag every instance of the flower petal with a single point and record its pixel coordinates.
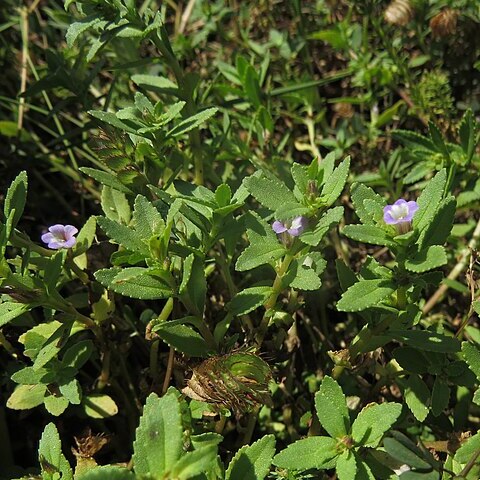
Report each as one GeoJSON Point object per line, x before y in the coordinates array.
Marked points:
{"type": "Point", "coordinates": [70, 231]}
{"type": "Point", "coordinates": [278, 227]}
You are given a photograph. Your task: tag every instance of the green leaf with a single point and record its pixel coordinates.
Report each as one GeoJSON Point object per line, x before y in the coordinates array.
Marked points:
{"type": "Point", "coordinates": [77, 355]}
{"type": "Point", "coordinates": [289, 210]}
{"type": "Point", "coordinates": [251, 86]}
{"type": "Point", "coordinates": [467, 134]}
{"type": "Point", "coordinates": [194, 463]}
{"type": "Point", "coordinates": [346, 276]}
{"type": "Point", "coordinates": [264, 246]}
{"type": "Point", "coordinates": [193, 288]}
{"type": "Point", "coordinates": [106, 179]}
{"type": "Point", "coordinates": [417, 397]}
{"type": "Point", "coordinates": [300, 177]}
{"type": "Point", "coordinates": [113, 119]}
{"type": "Point", "coordinates": [466, 452]}
{"type": "Point", "coordinates": [360, 193]}
{"type": "Point", "coordinates": [71, 391]}
{"type": "Point", "coordinates": [192, 122]}
{"type": "Point", "coordinates": [429, 200]}
{"type": "Point", "coordinates": [183, 338]}
{"type": "Point", "coordinates": [335, 182]}
{"type": "Point", "coordinates": [411, 359]}
{"type": "Point", "coordinates": [52, 461]}
{"type": "Point", "coordinates": [123, 235]}
{"type": "Point", "coordinates": [305, 272]}
{"type": "Point", "coordinates": [252, 462]}
{"type": "Point", "coordinates": [85, 237]}
{"type": "Point", "coordinates": [431, 257]}
{"type": "Point", "coordinates": [12, 310]}
{"type": "Point", "coordinates": [399, 451]}
{"type": "Point", "coordinates": [147, 220]}
{"type": "Point", "coordinates": [159, 437]}
{"type": "Point", "coordinates": [437, 140]}
{"type": "Point", "coordinates": [365, 294]}
{"type": "Point", "coordinates": [471, 354]}
{"type": "Point", "coordinates": [346, 467]}
{"type": "Point", "coordinates": [155, 83]}
{"type": "Point", "coordinates": [413, 140]}
{"type": "Point", "coordinates": [115, 205]}
{"type": "Point", "coordinates": [223, 195]}
{"type": "Point", "coordinates": [25, 397]}
{"type": "Point", "coordinates": [440, 396]}
{"type": "Point", "coordinates": [367, 430]}
{"type": "Point", "coordinates": [98, 405]}
{"type": "Point", "coordinates": [249, 299]}
{"type": "Point", "coordinates": [53, 270]}
{"type": "Point", "coordinates": [16, 198]}
{"type": "Point", "coordinates": [134, 282]}
{"type": "Point", "coordinates": [331, 407]}
{"type": "Point", "coordinates": [107, 472]}
{"type": "Point", "coordinates": [55, 405]}
{"type": "Point", "coordinates": [427, 340]}
{"type": "Point", "coordinates": [327, 221]}
{"type": "Point", "coordinates": [311, 452]}
{"type": "Point", "coordinates": [270, 192]}
{"type": "Point", "coordinates": [441, 226]}
{"type": "Point", "coordinates": [368, 234]}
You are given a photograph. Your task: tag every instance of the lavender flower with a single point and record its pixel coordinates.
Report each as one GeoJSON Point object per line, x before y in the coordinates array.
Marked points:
{"type": "Point", "coordinates": [293, 228]}
{"type": "Point", "coordinates": [400, 212]}
{"type": "Point", "coordinates": [60, 236]}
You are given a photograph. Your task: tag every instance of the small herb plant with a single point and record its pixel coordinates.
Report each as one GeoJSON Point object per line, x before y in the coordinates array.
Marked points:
{"type": "Point", "coordinates": [238, 240]}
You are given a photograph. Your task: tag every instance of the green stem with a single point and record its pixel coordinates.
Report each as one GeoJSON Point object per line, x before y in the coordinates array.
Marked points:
{"type": "Point", "coordinates": [272, 300]}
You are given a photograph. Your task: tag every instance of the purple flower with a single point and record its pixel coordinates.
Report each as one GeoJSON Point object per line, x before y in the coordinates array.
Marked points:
{"type": "Point", "coordinates": [60, 236]}
{"type": "Point", "coordinates": [400, 212]}
{"type": "Point", "coordinates": [294, 228]}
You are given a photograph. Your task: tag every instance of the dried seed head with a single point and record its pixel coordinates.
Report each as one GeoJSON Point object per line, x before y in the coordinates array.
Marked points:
{"type": "Point", "coordinates": [399, 12]}
{"type": "Point", "coordinates": [444, 23]}
{"type": "Point", "coordinates": [237, 380]}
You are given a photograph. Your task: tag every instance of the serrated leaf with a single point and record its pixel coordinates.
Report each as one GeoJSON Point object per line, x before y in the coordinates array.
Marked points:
{"type": "Point", "coordinates": [360, 193]}
{"type": "Point", "coordinates": [429, 200]}
{"type": "Point", "coordinates": [335, 183]}
{"type": "Point", "coordinates": [289, 210]}
{"type": "Point", "coordinates": [331, 407]}
{"type": "Point", "coordinates": [52, 461]}
{"type": "Point", "coordinates": [112, 119]}
{"type": "Point", "coordinates": [25, 397]}
{"type": "Point", "coordinates": [417, 397]}
{"type": "Point", "coordinates": [123, 235]}
{"type": "Point", "coordinates": [159, 437]}
{"type": "Point", "coordinates": [249, 299]}
{"type": "Point", "coordinates": [311, 452]}
{"type": "Point", "coordinates": [411, 359]}
{"type": "Point", "coordinates": [440, 396]}
{"type": "Point", "coordinates": [115, 205]}
{"type": "Point", "coordinates": [134, 282]}
{"type": "Point", "coordinates": [365, 294]}
{"type": "Point", "coordinates": [368, 234]}
{"type": "Point", "coordinates": [55, 405]}
{"type": "Point", "coordinates": [427, 340]}
{"type": "Point", "coordinates": [431, 257]}
{"type": "Point", "coordinates": [438, 141]}
{"type": "Point", "coordinates": [154, 83]}
{"type": "Point", "coordinates": [146, 219]}
{"type": "Point", "coordinates": [471, 354]}
{"type": "Point", "coordinates": [413, 140]}
{"type": "Point", "coordinates": [270, 192]}
{"type": "Point", "coordinates": [192, 122]}
{"type": "Point", "coordinates": [12, 310]}
{"type": "Point", "coordinates": [441, 225]}
{"type": "Point", "coordinates": [300, 177]}
{"type": "Point", "coordinates": [367, 430]}
{"type": "Point", "coordinates": [223, 195]}
{"type": "Point", "coordinates": [252, 462]}
{"type": "Point", "coordinates": [345, 274]}
{"type": "Point", "coordinates": [467, 133]}
{"type": "Point", "coordinates": [16, 198]}
{"type": "Point", "coordinates": [192, 464]}
{"type": "Point", "coordinates": [305, 272]}
{"type": "Point", "coordinates": [183, 338]}
{"type": "Point", "coordinates": [106, 178]}
{"type": "Point", "coordinates": [346, 467]}
{"type": "Point", "coordinates": [108, 471]}
{"type": "Point", "coordinates": [327, 221]}
{"type": "Point", "coordinates": [403, 454]}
